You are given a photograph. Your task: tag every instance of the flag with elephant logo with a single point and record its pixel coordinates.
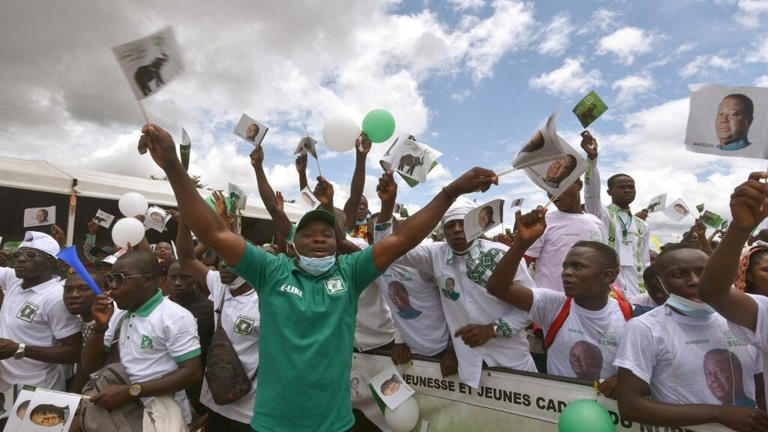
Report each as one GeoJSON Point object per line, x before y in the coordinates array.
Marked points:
{"type": "Point", "coordinates": [411, 159]}
{"type": "Point", "coordinates": [150, 63]}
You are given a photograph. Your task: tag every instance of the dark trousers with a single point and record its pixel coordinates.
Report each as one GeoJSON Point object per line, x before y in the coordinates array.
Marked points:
{"type": "Point", "coordinates": [219, 423]}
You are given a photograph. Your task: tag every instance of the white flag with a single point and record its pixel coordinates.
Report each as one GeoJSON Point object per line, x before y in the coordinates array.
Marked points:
{"type": "Point", "coordinates": [677, 210]}
{"type": "Point", "coordinates": [544, 146]}
{"type": "Point", "coordinates": [410, 158]}
{"type": "Point", "coordinates": [150, 63]}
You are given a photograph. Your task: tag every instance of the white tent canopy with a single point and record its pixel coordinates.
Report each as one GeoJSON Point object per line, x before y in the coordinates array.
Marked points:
{"type": "Point", "coordinates": [44, 176]}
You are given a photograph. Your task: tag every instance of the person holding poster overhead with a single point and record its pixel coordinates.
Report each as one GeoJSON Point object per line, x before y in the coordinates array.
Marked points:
{"type": "Point", "coordinates": [308, 303]}
{"type": "Point", "coordinates": [626, 233]}
{"type": "Point", "coordinates": [37, 332]}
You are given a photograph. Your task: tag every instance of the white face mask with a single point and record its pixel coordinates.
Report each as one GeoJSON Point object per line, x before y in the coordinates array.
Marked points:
{"type": "Point", "coordinates": [686, 307]}
{"type": "Point", "coordinates": [316, 266]}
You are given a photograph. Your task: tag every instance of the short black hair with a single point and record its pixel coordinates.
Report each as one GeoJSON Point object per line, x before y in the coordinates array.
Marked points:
{"type": "Point", "coordinates": [749, 107]}
{"type": "Point", "coordinates": [650, 274]}
{"type": "Point", "coordinates": [95, 275]}
{"type": "Point", "coordinates": [668, 249]}
{"type": "Point", "coordinates": [146, 260]}
{"type": "Point", "coordinates": [607, 253]}
{"type": "Point", "coordinates": [612, 179]}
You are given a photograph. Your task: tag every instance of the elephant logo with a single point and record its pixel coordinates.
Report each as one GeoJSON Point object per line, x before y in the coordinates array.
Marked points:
{"type": "Point", "coordinates": [408, 163]}
{"type": "Point", "coordinates": [146, 74]}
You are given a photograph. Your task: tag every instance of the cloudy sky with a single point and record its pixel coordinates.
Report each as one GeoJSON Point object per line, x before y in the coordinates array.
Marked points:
{"type": "Point", "coordinates": [473, 78]}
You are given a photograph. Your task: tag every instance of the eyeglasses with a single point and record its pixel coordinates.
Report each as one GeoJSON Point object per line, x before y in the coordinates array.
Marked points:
{"type": "Point", "coordinates": [29, 254]}
{"type": "Point", "coordinates": [115, 279]}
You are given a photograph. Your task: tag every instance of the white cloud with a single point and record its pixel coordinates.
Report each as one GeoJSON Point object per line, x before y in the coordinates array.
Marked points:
{"type": "Point", "coordinates": [602, 20]}
{"type": "Point", "coordinates": [631, 86]}
{"type": "Point", "coordinates": [751, 12]}
{"type": "Point", "coordinates": [759, 52]}
{"type": "Point", "coordinates": [700, 64]}
{"type": "Point", "coordinates": [626, 43]}
{"type": "Point", "coordinates": [556, 35]}
{"type": "Point", "coordinates": [685, 47]}
{"type": "Point", "coordinates": [570, 78]}
{"type": "Point", "coordinates": [761, 81]}
{"type": "Point", "coordinates": [461, 95]}
{"type": "Point", "coordinates": [462, 5]}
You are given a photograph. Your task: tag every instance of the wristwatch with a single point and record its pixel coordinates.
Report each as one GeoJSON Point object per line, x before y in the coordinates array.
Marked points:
{"type": "Point", "coordinates": [20, 352]}
{"type": "Point", "coordinates": [134, 390]}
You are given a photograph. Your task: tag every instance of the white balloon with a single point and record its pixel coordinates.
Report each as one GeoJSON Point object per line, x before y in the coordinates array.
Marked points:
{"type": "Point", "coordinates": [133, 204]}
{"type": "Point", "coordinates": [340, 133]}
{"type": "Point", "coordinates": [404, 417]}
{"type": "Point", "coordinates": [127, 230]}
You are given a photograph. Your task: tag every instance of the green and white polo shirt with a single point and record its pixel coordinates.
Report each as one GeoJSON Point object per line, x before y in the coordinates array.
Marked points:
{"type": "Point", "coordinates": [307, 334]}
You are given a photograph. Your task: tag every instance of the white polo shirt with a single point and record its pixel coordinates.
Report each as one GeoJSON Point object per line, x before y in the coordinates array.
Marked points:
{"type": "Point", "coordinates": [240, 319]}
{"type": "Point", "coordinates": [153, 340]}
{"type": "Point", "coordinates": [35, 316]}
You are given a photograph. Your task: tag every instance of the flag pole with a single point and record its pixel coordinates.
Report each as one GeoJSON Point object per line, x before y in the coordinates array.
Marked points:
{"type": "Point", "coordinates": [511, 170]}
{"type": "Point", "coordinates": [143, 111]}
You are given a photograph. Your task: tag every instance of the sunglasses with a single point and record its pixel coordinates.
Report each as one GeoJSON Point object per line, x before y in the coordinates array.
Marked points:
{"type": "Point", "coordinates": [29, 254]}
{"type": "Point", "coordinates": [115, 279]}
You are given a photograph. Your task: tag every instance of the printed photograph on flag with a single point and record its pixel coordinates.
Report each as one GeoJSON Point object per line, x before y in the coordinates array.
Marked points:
{"type": "Point", "coordinates": [483, 218]}
{"type": "Point", "coordinates": [589, 109]}
{"type": "Point", "coordinates": [250, 130]}
{"type": "Point", "coordinates": [410, 158]}
{"type": "Point", "coordinates": [677, 210]}
{"type": "Point", "coordinates": [544, 146]}
{"type": "Point", "coordinates": [237, 197]}
{"type": "Point", "coordinates": [517, 202]}
{"type": "Point", "coordinates": [558, 175]}
{"type": "Point", "coordinates": [150, 63]}
{"type": "Point", "coordinates": [657, 203]}
{"type": "Point", "coordinates": [728, 121]}
{"type": "Point", "coordinates": [712, 219]}
{"type": "Point", "coordinates": [38, 216]}
{"type": "Point", "coordinates": [391, 387]}
{"type": "Point", "coordinates": [103, 218]}
{"type": "Point", "coordinates": [156, 218]}
{"type": "Point", "coordinates": [306, 145]}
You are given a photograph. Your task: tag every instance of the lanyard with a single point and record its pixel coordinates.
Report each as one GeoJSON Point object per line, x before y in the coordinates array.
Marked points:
{"type": "Point", "coordinates": [624, 224]}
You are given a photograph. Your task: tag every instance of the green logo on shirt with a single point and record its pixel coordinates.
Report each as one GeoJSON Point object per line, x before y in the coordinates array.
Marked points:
{"type": "Point", "coordinates": [244, 325]}
{"type": "Point", "coordinates": [27, 312]}
{"type": "Point", "coordinates": [335, 285]}
{"type": "Point", "coordinates": [146, 342]}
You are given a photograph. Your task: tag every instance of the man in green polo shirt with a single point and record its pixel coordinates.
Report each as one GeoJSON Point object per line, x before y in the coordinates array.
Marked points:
{"type": "Point", "coordinates": [307, 304]}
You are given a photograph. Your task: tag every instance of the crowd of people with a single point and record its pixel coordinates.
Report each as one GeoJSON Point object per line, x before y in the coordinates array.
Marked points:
{"type": "Point", "coordinates": [222, 334]}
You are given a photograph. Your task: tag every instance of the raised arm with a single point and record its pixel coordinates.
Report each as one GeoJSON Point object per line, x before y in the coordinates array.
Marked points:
{"type": "Point", "coordinates": [324, 193]}
{"type": "Point", "coordinates": [749, 206]}
{"type": "Point", "coordinates": [281, 221]}
{"type": "Point", "coordinates": [502, 281]}
{"type": "Point", "coordinates": [301, 168]}
{"type": "Point", "coordinates": [592, 200]}
{"type": "Point", "coordinates": [387, 195]}
{"type": "Point", "coordinates": [206, 224]}
{"type": "Point", "coordinates": [417, 227]}
{"type": "Point", "coordinates": [186, 250]}
{"type": "Point", "coordinates": [634, 405]}
{"type": "Point", "coordinates": [362, 147]}
{"type": "Point", "coordinates": [701, 236]}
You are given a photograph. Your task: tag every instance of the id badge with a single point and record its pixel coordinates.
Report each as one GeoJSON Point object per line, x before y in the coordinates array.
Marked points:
{"type": "Point", "coordinates": [626, 253]}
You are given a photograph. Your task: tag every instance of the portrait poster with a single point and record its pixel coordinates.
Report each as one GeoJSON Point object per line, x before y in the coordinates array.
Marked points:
{"type": "Point", "coordinates": [657, 203]}
{"type": "Point", "coordinates": [677, 210]}
{"type": "Point", "coordinates": [306, 145]}
{"type": "Point", "coordinates": [589, 109]}
{"type": "Point", "coordinates": [45, 410]}
{"type": "Point", "coordinates": [156, 218]}
{"type": "Point", "coordinates": [517, 202]}
{"type": "Point", "coordinates": [39, 216]}
{"type": "Point", "coordinates": [150, 63]}
{"type": "Point", "coordinates": [390, 387]}
{"type": "Point", "coordinates": [544, 146]}
{"type": "Point", "coordinates": [483, 218]}
{"type": "Point", "coordinates": [555, 176]}
{"type": "Point", "coordinates": [308, 199]}
{"type": "Point", "coordinates": [728, 121]}
{"type": "Point", "coordinates": [410, 158]}
{"type": "Point", "coordinates": [251, 130]}
{"type": "Point", "coordinates": [237, 197]}
{"type": "Point", "coordinates": [103, 218]}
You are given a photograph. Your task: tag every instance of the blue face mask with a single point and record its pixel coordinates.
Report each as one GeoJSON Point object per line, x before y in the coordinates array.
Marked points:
{"type": "Point", "coordinates": [688, 307]}
{"type": "Point", "coordinates": [316, 266]}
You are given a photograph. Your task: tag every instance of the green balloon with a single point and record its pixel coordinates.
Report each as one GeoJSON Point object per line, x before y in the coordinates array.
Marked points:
{"type": "Point", "coordinates": [585, 415]}
{"type": "Point", "coordinates": [379, 125]}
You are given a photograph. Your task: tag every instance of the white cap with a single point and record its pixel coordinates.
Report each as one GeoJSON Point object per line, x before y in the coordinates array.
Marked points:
{"type": "Point", "coordinates": [40, 241]}
{"type": "Point", "coordinates": [459, 209]}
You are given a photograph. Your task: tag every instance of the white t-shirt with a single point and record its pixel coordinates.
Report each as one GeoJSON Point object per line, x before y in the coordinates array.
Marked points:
{"type": "Point", "coordinates": [35, 316]}
{"type": "Point", "coordinates": [586, 344]}
{"type": "Point", "coordinates": [686, 360]}
{"type": "Point", "coordinates": [153, 339]}
{"type": "Point", "coordinates": [759, 337]}
{"type": "Point", "coordinates": [373, 325]}
{"type": "Point", "coordinates": [643, 299]}
{"type": "Point", "coordinates": [418, 314]}
{"type": "Point", "coordinates": [240, 319]}
{"type": "Point", "coordinates": [562, 232]}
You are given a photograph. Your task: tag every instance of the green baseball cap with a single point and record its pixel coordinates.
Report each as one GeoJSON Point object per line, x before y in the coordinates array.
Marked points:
{"type": "Point", "coordinates": [318, 214]}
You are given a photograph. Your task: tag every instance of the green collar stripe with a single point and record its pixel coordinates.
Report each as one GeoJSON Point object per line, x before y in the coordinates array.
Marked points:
{"type": "Point", "coordinates": [150, 305]}
{"type": "Point", "coordinates": [184, 357]}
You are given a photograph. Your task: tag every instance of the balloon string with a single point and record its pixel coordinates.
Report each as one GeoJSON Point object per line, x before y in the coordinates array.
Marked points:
{"type": "Point", "coordinates": [318, 167]}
